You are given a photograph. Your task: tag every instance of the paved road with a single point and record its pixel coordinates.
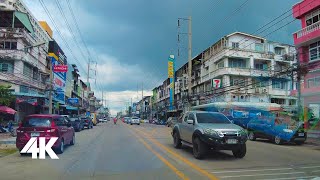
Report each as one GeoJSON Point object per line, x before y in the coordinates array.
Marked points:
{"type": "Point", "coordinates": [145, 152]}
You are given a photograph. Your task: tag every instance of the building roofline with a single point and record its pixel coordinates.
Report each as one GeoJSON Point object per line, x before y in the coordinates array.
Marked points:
{"type": "Point", "coordinates": [237, 32]}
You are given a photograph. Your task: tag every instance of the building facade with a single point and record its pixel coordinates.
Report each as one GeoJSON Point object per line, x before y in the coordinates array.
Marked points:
{"type": "Point", "coordinates": [307, 41]}
{"type": "Point", "coordinates": [23, 58]}
{"type": "Point", "coordinates": [249, 69]}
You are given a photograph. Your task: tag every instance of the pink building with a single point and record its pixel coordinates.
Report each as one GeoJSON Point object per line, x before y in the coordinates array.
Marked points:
{"type": "Point", "coordinates": [307, 41]}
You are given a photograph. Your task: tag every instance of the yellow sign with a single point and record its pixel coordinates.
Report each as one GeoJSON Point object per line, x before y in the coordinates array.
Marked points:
{"type": "Point", "coordinates": [170, 69]}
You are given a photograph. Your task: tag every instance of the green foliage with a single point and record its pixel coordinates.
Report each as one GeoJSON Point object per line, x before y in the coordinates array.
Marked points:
{"type": "Point", "coordinates": [5, 95]}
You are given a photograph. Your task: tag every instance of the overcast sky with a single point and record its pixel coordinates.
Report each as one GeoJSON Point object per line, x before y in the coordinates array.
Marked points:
{"type": "Point", "coordinates": [132, 39]}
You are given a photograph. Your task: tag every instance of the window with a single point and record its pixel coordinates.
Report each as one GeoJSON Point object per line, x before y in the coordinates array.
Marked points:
{"type": "Point", "coordinates": [258, 47]}
{"type": "Point", "coordinates": [278, 50]}
{"type": "Point", "coordinates": [6, 66]}
{"type": "Point", "coordinates": [313, 82]}
{"type": "Point", "coordinates": [278, 101]}
{"type": "Point", "coordinates": [221, 64]}
{"type": "Point", "coordinates": [27, 70]}
{"type": "Point", "coordinates": [8, 45]}
{"type": "Point", "coordinates": [191, 117]}
{"type": "Point", "coordinates": [212, 118]}
{"type": "Point", "coordinates": [36, 122]}
{"type": "Point", "coordinates": [237, 63]}
{"type": "Point", "coordinates": [278, 84]}
{"type": "Point", "coordinates": [237, 81]}
{"type": "Point", "coordinates": [24, 89]}
{"type": "Point", "coordinates": [186, 118]}
{"type": "Point", "coordinates": [260, 66]}
{"type": "Point", "coordinates": [59, 121]}
{"type": "Point", "coordinates": [313, 17]}
{"type": "Point", "coordinates": [235, 45]}
{"type": "Point", "coordinates": [314, 51]}
{"type": "Point", "coordinates": [257, 83]}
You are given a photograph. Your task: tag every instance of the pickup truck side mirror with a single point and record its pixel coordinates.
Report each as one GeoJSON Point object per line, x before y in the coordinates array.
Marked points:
{"type": "Point", "coordinates": [189, 121]}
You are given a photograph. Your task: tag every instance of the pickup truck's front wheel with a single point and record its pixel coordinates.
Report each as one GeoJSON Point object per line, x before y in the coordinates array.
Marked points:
{"type": "Point", "coordinates": [240, 152]}
{"type": "Point", "coordinates": [177, 141]}
{"type": "Point", "coordinates": [199, 148]}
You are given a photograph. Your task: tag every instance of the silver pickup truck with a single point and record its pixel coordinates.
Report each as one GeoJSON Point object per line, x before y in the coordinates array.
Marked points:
{"type": "Point", "coordinates": [209, 130]}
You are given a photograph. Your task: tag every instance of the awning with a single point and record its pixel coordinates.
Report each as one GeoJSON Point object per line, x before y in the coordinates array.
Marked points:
{"type": "Point", "coordinates": [28, 94]}
{"type": "Point", "coordinates": [24, 20]}
{"type": "Point", "coordinates": [7, 110]}
{"type": "Point", "coordinates": [71, 108]}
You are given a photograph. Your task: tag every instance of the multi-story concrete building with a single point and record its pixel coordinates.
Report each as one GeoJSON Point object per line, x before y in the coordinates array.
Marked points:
{"type": "Point", "coordinates": [307, 41]}
{"type": "Point", "coordinates": [23, 57]}
{"type": "Point", "coordinates": [250, 69]}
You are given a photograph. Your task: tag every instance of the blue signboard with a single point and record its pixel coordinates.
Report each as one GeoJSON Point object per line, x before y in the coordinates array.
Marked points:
{"type": "Point", "coordinates": [73, 101]}
{"type": "Point", "coordinates": [59, 82]}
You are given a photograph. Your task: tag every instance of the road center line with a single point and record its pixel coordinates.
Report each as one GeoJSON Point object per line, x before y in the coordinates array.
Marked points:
{"type": "Point", "coordinates": [309, 167]}
{"type": "Point", "coordinates": [166, 162]}
{"type": "Point", "coordinates": [279, 169]}
{"type": "Point", "coordinates": [192, 165]}
{"type": "Point", "coordinates": [248, 175]}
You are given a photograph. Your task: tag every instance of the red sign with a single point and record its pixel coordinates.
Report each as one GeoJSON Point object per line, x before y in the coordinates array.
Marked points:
{"type": "Point", "coordinates": [60, 68]}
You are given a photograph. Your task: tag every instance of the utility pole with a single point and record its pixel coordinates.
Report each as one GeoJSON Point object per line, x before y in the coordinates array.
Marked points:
{"type": "Point", "coordinates": [189, 56]}
{"type": "Point", "coordinates": [51, 89]}
{"type": "Point", "coordinates": [189, 19]}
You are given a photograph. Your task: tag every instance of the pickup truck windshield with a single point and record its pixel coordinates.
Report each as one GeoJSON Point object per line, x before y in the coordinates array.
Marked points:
{"type": "Point", "coordinates": [212, 118]}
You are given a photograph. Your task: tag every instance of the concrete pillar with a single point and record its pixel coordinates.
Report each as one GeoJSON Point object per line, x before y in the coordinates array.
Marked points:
{"type": "Point", "coordinates": [226, 62]}
{"type": "Point", "coordinates": [251, 62]}
{"type": "Point", "coordinates": [273, 63]}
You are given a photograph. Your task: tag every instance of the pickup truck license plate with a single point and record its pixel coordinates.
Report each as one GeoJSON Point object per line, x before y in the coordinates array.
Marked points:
{"type": "Point", "coordinates": [301, 134]}
{"type": "Point", "coordinates": [232, 141]}
{"type": "Point", "coordinates": [35, 134]}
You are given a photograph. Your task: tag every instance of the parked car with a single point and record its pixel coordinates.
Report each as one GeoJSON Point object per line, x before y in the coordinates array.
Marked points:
{"type": "Point", "coordinates": [135, 120]}
{"type": "Point", "coordinates": [209, 130]}
{"type": "Point", "coordinates": [77, 123]}
{"type": "Point", "coordinates": [171, 121]}
{"type": "Point", "coordinates": [87, 122]}
{"type": "Point", "coordinates": [276, 129]}
{"type": "Point", "coordinates": [126, 119]}
{"type": "Point", "coordinates": [46, 125]}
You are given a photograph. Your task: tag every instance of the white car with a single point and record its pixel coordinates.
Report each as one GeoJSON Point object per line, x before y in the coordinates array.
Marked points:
{"type": "Point", "coordinates": [135, 120]}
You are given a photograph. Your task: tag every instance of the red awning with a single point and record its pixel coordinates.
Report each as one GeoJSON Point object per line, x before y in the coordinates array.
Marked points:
{"type": "Point", "coordinates": [5, 109]}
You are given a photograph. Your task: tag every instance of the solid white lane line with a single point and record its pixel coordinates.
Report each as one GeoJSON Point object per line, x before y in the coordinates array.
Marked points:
{"type": "Point", "coordinates": [290, 178]}
{"type": "Point", "coordinates": [252, 170]}
{"type": "Point", "coordinates": [248, 175]}
{"type": "Point", "coordinates": [316, 171]}
{"type": "Point", "coordinates": [309, 167]}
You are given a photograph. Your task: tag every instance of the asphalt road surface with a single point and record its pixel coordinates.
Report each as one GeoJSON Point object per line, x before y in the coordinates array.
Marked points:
{"type": "Point", "coordinates": [123, 151]}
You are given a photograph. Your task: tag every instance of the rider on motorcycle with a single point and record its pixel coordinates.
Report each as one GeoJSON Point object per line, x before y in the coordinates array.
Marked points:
{"type": "Point", "coordinates": [115, 120]}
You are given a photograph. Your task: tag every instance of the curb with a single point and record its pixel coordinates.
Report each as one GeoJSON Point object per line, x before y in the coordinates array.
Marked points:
{"type": "Point", "coordinates": [7, 142]}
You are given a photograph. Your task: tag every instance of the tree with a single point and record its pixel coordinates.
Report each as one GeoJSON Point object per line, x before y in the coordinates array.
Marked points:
{"type": "Point", "coordinates": [5, 95]}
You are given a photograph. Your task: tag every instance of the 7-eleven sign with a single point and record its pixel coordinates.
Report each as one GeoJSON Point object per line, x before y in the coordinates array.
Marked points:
{"type": "Point", "coordinates": [216, 83]}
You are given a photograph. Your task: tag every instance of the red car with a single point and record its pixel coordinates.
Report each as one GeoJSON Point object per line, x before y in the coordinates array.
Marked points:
{"type": "Point", "coordinates": [46, 125]}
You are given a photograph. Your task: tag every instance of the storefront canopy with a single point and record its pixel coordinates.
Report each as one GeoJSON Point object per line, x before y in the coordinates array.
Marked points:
{"type": "Point", "coordinates": [7, 110]}
{"type": "Point", "coordinates": [71, 108]}
{"type": "Point", "coordinates": [24, 19]}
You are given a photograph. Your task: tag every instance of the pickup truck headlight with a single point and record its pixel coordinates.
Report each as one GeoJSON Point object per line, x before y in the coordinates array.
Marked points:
{"type": "Point", "coordinates": [288, 130]}
{"type": "Point", "coordinates": [212, 132]}
{"type": "Point", "coordinates": [243, 132]}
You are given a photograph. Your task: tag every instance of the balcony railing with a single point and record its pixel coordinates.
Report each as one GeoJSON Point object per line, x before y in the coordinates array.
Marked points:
{"type": "Point", "coordinates": [308, 29]}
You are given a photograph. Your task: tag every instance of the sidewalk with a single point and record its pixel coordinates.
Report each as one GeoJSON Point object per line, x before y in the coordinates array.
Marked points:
{"type": "Point", "coordinates": [6, 138]}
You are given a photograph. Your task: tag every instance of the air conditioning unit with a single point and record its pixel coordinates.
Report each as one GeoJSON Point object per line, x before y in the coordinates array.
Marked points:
{"type": "Point", "coordinates": [264, 90]}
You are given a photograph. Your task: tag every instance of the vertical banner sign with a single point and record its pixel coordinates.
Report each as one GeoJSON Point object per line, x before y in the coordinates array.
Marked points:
{"type": "Point", "coordinates": [171, 76]}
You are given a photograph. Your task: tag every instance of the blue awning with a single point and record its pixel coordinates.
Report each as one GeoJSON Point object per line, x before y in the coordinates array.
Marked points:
{"type": "Point", "coordinates": [71, 108]}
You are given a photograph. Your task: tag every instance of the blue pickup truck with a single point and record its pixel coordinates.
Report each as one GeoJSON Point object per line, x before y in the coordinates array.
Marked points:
{"type": "Point", "coordinates": [276, 128]}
